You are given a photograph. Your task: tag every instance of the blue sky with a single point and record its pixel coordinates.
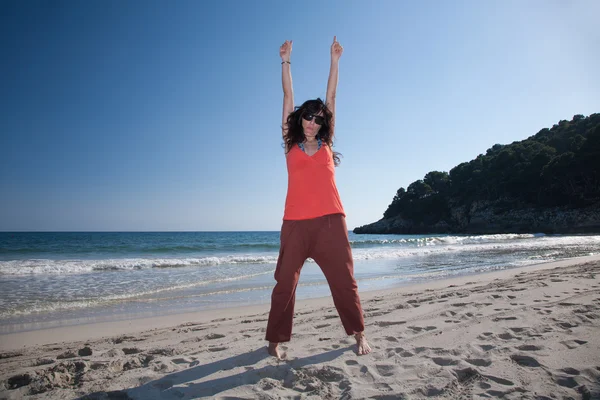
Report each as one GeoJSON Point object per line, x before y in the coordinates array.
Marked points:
{"type": "Point", "coordinates": [156, 115]}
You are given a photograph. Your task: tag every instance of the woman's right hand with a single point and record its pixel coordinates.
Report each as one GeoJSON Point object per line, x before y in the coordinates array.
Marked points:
{"type": "Point", "coordinates": [285, 51]}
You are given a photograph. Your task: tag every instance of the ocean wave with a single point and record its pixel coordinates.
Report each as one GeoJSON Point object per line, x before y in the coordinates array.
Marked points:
{"type": "Point", "coordinates": [372, 250]}
{"type": "Point", "coordinates": [144, 249]}
{"type": "Point", "coordinates": [44, 266]}
{"type": "Point", "coordinates": [141, 296]}
{"type": "Point", "coordinates": [441, 240]}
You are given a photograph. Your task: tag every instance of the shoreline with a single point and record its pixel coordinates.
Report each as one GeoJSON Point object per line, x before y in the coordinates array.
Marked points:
{"type": "Point", "coordinates": [530, 332]}
{"type": "Point", "coordinates": [97, 330]}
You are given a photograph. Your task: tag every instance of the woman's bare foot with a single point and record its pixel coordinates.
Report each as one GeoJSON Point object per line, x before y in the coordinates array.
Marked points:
{"type": "Point", "coordinates": [274, 351]}
{"type": "Point", "coordinates": [361, 342]}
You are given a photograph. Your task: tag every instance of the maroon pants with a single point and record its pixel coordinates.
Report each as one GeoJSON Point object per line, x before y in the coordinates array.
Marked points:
{"type": "Point", "coordinates": [325, 240]}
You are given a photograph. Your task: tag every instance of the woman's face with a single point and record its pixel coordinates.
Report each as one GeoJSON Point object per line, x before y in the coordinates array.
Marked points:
{"type": "Point", "coordinates": [310, 123]}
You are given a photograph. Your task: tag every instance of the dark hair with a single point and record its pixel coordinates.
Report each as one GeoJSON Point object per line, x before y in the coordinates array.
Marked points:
{"type": "Point", "coordinates": [295, 133]}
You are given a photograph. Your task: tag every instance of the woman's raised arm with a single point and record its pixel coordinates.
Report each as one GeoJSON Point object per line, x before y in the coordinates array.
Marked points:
{"type": "Point", "coordinates": [336, 53]}
{"type": "Point", "coordinates": [285, 52]}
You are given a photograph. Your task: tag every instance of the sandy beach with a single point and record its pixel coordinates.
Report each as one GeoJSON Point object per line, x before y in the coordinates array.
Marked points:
{"type": "Point", "coordinates": [524, 333]}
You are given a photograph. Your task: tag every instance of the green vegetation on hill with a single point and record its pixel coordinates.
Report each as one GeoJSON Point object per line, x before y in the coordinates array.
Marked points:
{"type": "Point", "coordinates": [557, 167]}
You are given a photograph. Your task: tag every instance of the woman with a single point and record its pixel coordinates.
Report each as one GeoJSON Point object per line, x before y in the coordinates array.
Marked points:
{"type": "Point", "coordinates": [314, 221]}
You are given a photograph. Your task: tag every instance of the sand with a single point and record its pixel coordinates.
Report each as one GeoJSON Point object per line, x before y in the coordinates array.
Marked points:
{"type": "Point", "coordinates": [526, 333]}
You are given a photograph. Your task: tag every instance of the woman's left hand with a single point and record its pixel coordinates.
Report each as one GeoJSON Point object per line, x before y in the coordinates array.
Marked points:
{"type": "Point", "coordinates": [336, 50]}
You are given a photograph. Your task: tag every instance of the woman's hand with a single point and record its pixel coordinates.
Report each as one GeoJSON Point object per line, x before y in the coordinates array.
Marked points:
{"type": "Point", "coordinates": [336, 50]}
{"type": "Point", "coordinates": [285, 51]}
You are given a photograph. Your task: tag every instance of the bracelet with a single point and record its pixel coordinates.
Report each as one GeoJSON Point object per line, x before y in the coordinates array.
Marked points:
{"type": "Point", "coordinates": [283, 62]}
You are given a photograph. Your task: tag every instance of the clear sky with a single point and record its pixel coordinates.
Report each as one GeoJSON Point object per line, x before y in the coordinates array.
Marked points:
{"type": "Point", "coordinates": [157, 115]}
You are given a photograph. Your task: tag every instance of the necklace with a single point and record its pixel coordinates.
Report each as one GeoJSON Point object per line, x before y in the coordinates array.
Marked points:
{"type": "Point", "coordinates": [301, 145]}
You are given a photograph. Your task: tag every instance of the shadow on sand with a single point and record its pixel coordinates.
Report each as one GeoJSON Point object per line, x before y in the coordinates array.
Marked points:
{"type": "Point", "coordinates": [164, 388]}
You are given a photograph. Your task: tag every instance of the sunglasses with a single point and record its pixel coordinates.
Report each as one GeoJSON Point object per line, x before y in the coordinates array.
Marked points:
{"type": "Point", "coordinates": [319, 120]}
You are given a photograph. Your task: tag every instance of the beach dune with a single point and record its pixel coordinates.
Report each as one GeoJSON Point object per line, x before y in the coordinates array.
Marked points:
{"type": "Point", "coordinates": [524, 333]}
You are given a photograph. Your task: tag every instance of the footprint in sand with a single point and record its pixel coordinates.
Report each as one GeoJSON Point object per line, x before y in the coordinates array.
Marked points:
{"type": "Point", "coordinates": [567, 304]}
{"type": "Point", "coordinates": [504, 319]}
{"type": "Point", "coordinates": [42, 361]}
{"type": "Point", "coordinates": [18, 381]}
{"type": "Point", "coordinates": [362, 372]}
{"type": "Point", "coordinates": [444, 361]}
{"type": "Point", "coordinates": [122, 339]}
{"type": "Point", "coordinates": [386, 369]}
{"type": "Point", "coordinates": [572, 344]}
{"type": "Point", "coordinates": [131, 350]}
{"type": "Point", "coordinates": [529, 347]}
{"type": "Point", "coordinates": [565, 381]}
{"type": "Point", "coordinates": [460, 304]}
{"type": "Point", "coordinates": [508, 336]}
{"type": "Point", "coordinates": [486, 336]}
{"type": "Point", "coordinates": [499, 394]}
{"type": "Point", "coordinates": [389, 323]}
{"type": "Point", "coordinates": [587, 314]}
{"type": "Point", "coordinates": [67, 354]}
{"type": "Point", "coordinates": [566, 325]}
{"type": "Point", "coordinates": [200, 328]}
{"type": "Point", "coordinates": [414, 303]}
{"type": "Point", "coordinates": [498, 380]}
{"type": "Point", "coordinates": [399, 351]}
{"type": "Point", "coordinates": [417, 329]}
{"type": "Point", "coordinates": [382, 387]}
{"type": "Point", "coordinates": [570, 371]}
{"type": "Point", "coordinates": [448, 314]}
{"type": "Point", "coordinates": [525, 361]}
{"type": "Point", "coordinates": [215, 349]}
{"type": "Point", "coordinates": [182, 361]}
{"type": "Point", "coordinates": [213, 336]}
{"type": "Point", "coordinates": [479, 362]}
{"type": "Point", "coordinates": [468, 315]}
{"type": "Point", "coordinates": [519, 329]}
{"type": "Point", "coordinates": [375, 314]}
{"type": "Point", "coordinates": [162, 352]}
{"type": "Point", "coordinates": [466, 375]}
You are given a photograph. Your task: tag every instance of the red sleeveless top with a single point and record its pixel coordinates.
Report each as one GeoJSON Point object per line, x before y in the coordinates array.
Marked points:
{"type": "Point", "coordinates": [311, 190]}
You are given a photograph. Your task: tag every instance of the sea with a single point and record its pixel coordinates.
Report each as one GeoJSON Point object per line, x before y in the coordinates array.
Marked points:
{"type": "Point", "coordinates": [68, 278]}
